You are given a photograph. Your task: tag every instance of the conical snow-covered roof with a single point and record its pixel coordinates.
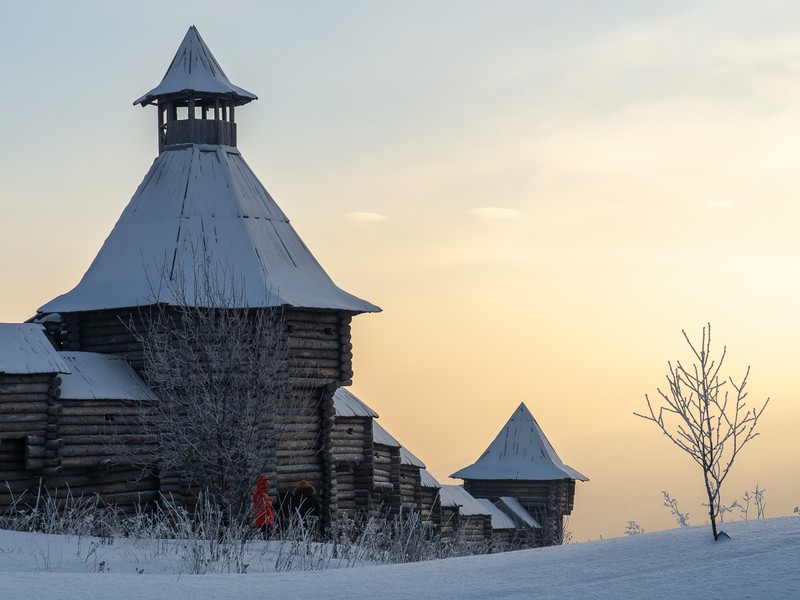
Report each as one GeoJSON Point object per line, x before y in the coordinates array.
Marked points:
{"type": "Point", "coordinates": [201, 217]}
{"type": "Point", "coordinates": [194, 69]}
{"type": "Point", "coordinates": [520, 451]}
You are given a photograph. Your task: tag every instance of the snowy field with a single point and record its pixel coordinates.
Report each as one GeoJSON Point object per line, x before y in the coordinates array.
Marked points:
{"type": "Point", "coordinates": [762, 560]}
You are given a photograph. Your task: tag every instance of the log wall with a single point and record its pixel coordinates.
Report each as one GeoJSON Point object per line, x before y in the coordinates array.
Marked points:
{"type": "Point", "coordinates": [24, 403]}
{"type": "Point", "coordinates": [430, 505]}
{"type": "Point", "coordinates": [28, 405]}
{"type": "Point", "coordinates": [319, 357]}
{"type": "Point", "coordinates": [476, 531]}
{"type": "Point", "coordinates": [448, 524]}
{"type": "Point", "coordinates": [386, 493]}
{"type": "Point", "coordinates": [503, 540]}
{"type": "Point", "coordinates": [410, 485]}
{"type": "Point", "coordinates": [351, 451]}
{"type": "Point", "coordinates": [547, 501]}
{"type": "Point", "coordinates": [69, 448]}
{"type": "Point", "coordinates": [16, 482]}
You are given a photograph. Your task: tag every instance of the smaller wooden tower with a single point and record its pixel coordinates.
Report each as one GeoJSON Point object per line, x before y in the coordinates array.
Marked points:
{"type": "Point", "coordinates": [522, 463]}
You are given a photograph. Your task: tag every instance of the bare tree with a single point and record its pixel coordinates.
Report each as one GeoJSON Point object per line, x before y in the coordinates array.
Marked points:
{"type": "Point", "coordinates": [220, 372]}
{"type": "Point", "coordinates": [698, 415]}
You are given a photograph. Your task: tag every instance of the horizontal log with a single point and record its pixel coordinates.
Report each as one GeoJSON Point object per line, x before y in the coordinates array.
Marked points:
{"type": "Point", "coordinates": [23, 426]}
{"type": "Point", "coordinates": [24, 388]}
{"type": "Point", "coordinates": [37, 398]}
{"type": "Point", "coordinates": [313, 373]}
{"type": "Point", "coordinates": [329, 317]}
{"type": "Point", "coordinates": [299, 355]}
{"type": "Point", "coordinates": [305, 424]}
{"type": "Point", "coordinates": [80, 487]}
{"type": "Point", "coordinates": [35, 464]}
{"type": "Point", "coordinates": [93, 403]}
{"type": "Point", "coordinates": [308, 467]}
{"type": "Point", "coordinates": [287, 442]}
{"type": "Point", "coordinates": [26, 378]}
{"type": "Point", "coordinates": [13, 411]}
{"type": "Point", "coordinates": [120, 410]}
{"type": "Point", "coordinates": [100, 427]}
{"type": "Point", "coordinates": [330, 364]}
{"type": "Point", "coordinates": [105, 329]}
{"type": "Point", "coordinates": [96, 463]}
{"type": "Point", "coordinates": [54, 444]}
{"type": "Point", "coordinates": [348, 436]}
{"type": "Point", "coordinates": [294, 435]}
{"type": "Point", "coordinates": [313, 340]}
{"type": "Point", "coordinates": [112, 440]}
{"type": "Point", "coordinates": [300, 327]}
{"type": "Point", "coordinates": [110, 348]}
{"type": "Point", "coordinates": [101, 450]}
{"type": "Point", "coordinates": [130, 499]}
{"type": "Point", "coordinates": [96, 421]}
{"type": "Point", "coordinates": [89, 322]}
{"type": "Point", "coordinates": [34, 452]}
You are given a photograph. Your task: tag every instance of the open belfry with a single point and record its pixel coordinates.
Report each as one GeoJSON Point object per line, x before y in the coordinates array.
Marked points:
{"type": "Point", "coordinates": [202, 236]}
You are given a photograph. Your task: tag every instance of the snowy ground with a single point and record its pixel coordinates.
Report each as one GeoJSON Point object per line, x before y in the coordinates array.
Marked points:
{"type": "Point", "coordinates": [762, 560]}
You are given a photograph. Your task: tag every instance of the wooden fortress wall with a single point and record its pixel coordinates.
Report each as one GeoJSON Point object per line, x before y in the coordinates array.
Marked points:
{"type": "Point", "coordinates": [319, 355]}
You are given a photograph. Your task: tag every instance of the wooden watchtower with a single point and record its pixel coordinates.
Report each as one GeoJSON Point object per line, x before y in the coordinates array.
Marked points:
{"type": "Point", "coordinates": [521, 463]}
{"type": "Point", "coordinates": [201, 206]}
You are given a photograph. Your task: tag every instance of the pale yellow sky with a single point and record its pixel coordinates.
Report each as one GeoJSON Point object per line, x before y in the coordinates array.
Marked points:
{"type": "Point", "coordinates": [539, 195]}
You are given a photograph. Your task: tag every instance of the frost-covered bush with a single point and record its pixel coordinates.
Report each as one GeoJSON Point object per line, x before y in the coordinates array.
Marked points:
{"type": "Point", "coordinates": [633, 528]}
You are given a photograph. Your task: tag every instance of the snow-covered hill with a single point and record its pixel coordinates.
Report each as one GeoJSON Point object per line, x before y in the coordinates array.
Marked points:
{"type": "Point", "coordinates": [762, 560]}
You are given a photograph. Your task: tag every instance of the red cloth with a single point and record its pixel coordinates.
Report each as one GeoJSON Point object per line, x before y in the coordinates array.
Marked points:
{"type": "Point", "coordinates": [262, 505]}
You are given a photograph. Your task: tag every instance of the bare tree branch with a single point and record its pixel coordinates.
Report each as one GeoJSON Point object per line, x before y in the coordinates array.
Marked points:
{"type": "Point", "coordinates": [220, 372]}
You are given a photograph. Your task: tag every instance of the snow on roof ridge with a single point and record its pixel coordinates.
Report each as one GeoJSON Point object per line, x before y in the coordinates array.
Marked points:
{"type": "Point", "coordinates": [194, 69]}
{"type": "Point", "coordinates": [521, 451]}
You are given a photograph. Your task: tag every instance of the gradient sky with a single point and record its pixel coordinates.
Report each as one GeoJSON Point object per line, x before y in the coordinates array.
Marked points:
{"type": "Point", "coordinates": [540, 195]}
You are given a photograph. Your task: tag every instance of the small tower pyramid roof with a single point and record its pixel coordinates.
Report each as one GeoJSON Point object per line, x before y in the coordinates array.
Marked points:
{"type": "Point", "coordinates": [194, 69]}
{"type": "Point", "coordinates": [520, 451]}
